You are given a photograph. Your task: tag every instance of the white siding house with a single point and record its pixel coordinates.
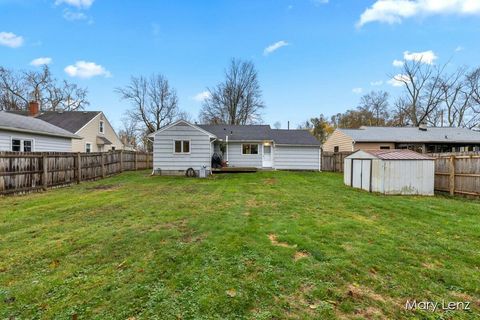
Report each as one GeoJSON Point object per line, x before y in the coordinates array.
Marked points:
{"type": "Point", "coordinates": [401, 172]}
{"type": "Point", "coordinates": [27, 134]}
{"type": "Point", "coordinates": [181, 146]}
{"type": "Point", "coordinates": [249, 146]}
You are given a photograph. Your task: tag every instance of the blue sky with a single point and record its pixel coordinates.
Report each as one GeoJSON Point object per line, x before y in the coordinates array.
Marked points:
{"type": "Point", "coordinates": [335, 50]}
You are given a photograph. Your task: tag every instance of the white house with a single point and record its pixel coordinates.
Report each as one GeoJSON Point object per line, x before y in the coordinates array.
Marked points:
{"type": "Point", "coordinates": [183, 145]}
{"type": "Point", "coordinates": [27, 134]}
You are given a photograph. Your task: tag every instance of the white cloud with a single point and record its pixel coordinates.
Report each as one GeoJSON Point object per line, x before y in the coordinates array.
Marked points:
{"type": "Point", "coordinates": [459, 48]}
{"type": "Point", "coordinates": [427, 57]}
{"type": "Point", "coordinates": [84, 69]}
{"type": "Point", "coordinates": [10, 39]}
{"type": "Point", "coordinates": [357, 90]}
{"type": "Point", "coordinates": [274, 47]}
{"type": "Point", "coordinates": [398, 63]}
{"type": "Point", "coordinates": [41, 61]}
{"type": "Point", "coordinates": [74, 16]}
{"type": "Point", "coordinates": [81, 4]}
{"type": "Point", "coordinates": [317, 2]}
{"type": "Point", "coordinates": [399, 80]}
{"type": "Point", "coordinates": [202, 96]}
{"type": "Point", "coordinates": [376, 83]}
{"type": "Point", "coordinates": [394, 11]}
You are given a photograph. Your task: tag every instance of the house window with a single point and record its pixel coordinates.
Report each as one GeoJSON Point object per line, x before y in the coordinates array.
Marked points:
{"type": "Point", "coordinates": [113, 148]}
{"type": "Point", "coordinates": [336, 149]}
{"type": "Point", "coordinates": [384, 147]}
{"type": "Point", "coordinates": [249, 148]}
{"type": "Point", "coordinates": [22, 145]}
{"type": "Point", "coordinates": [88, 147]}
{"type": "Point", "coordinates": [101, 127]}
{"type": "Point", "coordinates": [182, 146]}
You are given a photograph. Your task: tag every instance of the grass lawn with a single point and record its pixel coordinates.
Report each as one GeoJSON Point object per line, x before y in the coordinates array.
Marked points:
{"type": "Point", "coordinates": [268, 245]}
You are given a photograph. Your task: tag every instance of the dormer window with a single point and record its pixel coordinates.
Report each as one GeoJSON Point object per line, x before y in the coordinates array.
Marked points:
{"type": "Point", "coordinates": [101, 127]}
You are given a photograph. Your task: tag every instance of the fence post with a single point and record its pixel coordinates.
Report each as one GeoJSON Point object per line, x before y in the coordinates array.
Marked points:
{"type": "Point", "coordinates": [103, 165]}
{"type": "Point", "coordinates": [121, 160]}
{"type": "Point", "coordinates": [79, 167]}
{"type": "Point", "coordinates": [135, 157]}
{"type": "Point", "coordinates": [45, 171]}
{"type": "Point", "coordinates": [452, 175]}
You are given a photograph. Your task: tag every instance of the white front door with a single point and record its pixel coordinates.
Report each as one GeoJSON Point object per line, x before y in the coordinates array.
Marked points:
{"type": "Point", "coordinates": [267, 157]}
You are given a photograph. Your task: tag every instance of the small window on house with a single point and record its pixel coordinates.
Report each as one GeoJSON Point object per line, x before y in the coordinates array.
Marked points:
{"type": "Point", "coordinates": [88, 147]}
{"type": "Point", "coordinates": [249, 148]}
{"type": "Point", "coordinates": [101, 127]}
{"type": "Point", "coordinates": [182, 146]}
{"type": "Point", "coordinates": [22, 145]}
{"type": "Point", "coordinates": [384, 147]}
{"type": "Point", "coordinates": [336, 149]}
{"type": "Point", "coordinates": [113, 148]}
{"type": "Point", "coordinates": [27, 145]}
{"type": "Point", "coordinates": [16, 144]}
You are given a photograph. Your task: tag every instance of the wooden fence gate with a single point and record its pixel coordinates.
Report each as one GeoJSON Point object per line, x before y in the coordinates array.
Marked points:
{"type": "Point", "coordinates": [333, 161]}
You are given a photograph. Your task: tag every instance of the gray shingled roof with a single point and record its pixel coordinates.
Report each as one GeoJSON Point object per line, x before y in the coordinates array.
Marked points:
{"type": "Point", "coordinates": [19, 123]}
{"type": "Point", "coordinates": [239, 132]}
{"type": "Point", "coordinates": [260, 133]}
{"type": "Point", "coordinates": [412, 135]}
{"type": "Point", "coordinates": [294, 137]}
{"type": "Point", "coordinates": [69, 120]}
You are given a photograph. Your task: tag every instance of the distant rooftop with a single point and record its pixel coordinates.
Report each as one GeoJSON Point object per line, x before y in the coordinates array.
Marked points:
{"type": "Point", "coordinates": [20, 123]}
{"type": "Point", "coordinates": [413, 134]}
{"type": "Point", "coordinates": [71, 121]}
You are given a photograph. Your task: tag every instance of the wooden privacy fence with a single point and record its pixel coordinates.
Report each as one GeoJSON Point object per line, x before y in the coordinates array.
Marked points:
{"type": "Point", "coordinates": [458, 173]}
{"type": "Point", "coordinates": [22, 172]}
{"type": "Point", "coordinates": [333, 161]}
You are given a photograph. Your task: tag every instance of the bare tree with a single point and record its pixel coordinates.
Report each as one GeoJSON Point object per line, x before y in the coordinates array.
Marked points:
{"type": "Point", "coordinates": [18, 88]}
{"type": "Point", "coordinates": [237, 100]}
{"type": "Point", "coordinates": [423, 91]}
{"type": "Point", "coordinates": [154, 103]}
{"type": "Point", "coordinates": [376, 102]}
{"type": "Point", "coordinates": [277, 125]}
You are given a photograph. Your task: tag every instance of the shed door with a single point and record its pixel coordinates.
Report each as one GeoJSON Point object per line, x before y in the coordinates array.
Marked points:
{"type": "Point", "coordinates": [361, 174]}
{"type": "Point", "coordinates": [357, 173]}
{"type": "Point", "coordinates": [366, 167]}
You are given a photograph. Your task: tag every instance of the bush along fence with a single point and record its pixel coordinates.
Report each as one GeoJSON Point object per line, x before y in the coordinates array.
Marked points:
{"type": "Point", "coordinates": [458, 173]}
{"type": "Point", "coordinates": [22, 172]}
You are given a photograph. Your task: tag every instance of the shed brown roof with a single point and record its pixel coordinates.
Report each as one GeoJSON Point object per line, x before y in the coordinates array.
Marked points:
{"type": "Point", "coordinates": [398, 154]}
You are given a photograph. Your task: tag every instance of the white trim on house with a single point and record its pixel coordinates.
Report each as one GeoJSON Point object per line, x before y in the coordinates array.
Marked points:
{"type": "Point", "coordinates": [182, 153]}
{"type": "Point", "coordinates": [91, 144]}
{"type": "Point", "coordinates": [40, 133]}
{"type": "Point", "coordinates": [22, 143]}
{"type": "Point", "coordinates": [185, 122]}
{"type": "Point", "coordinates": [86, 124]}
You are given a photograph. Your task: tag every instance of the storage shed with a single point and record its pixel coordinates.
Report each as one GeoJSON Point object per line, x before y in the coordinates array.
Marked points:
{"type": "Point", "coordinates": [390, 172]}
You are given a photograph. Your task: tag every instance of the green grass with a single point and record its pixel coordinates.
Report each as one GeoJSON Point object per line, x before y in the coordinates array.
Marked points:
{"type": "Point", "coordinates": [141, 247]}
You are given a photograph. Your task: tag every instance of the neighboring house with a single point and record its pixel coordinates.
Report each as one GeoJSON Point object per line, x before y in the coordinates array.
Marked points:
{"type": "Point", "coordinates": [183, 145]}
{"type": "Point", "coordinates": [92, 126]}
{"type": "Point", "coordinates": [423, 139]}
{"type": "Point", "coordinates": [27, 134]}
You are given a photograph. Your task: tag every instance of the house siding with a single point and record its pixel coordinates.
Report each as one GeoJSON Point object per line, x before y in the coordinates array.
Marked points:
{"type": "Point", "coordinates": [340, 139]}
{"type": "Point", "coordinates": [163, 146]}
{"type": "Point", "coordinates": [90, 132]}
{"type": "Point", "coordinates": [237, 159]}
{"type": "Point", "coordinates": [40, 143]}
{"type": "Point", "coordinates": [297, 158]}
{"type": "Point", "coordinates": [372, 145]}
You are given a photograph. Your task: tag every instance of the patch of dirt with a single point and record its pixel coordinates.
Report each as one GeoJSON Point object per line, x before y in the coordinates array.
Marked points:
{"type": "Point", "coordinates": [359, 292]}
{"type": "Point", "coordinates": [299, 301]}
{"type": "Point", "coordinates": [370, 313]}
{"type": "Point", "coordinates": [105, 187]}
{"type": "Point", "coordinates": [270, 181]}
{"type": "Point", "coordinates": [300, 255]}
{"type": "Point", "coordinates": [432, 265]}
{"type": "Point", "coordinates": [275, 242]}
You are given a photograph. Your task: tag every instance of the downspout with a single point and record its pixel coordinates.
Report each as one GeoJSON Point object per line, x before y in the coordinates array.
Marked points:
{"type": "Point", "coordinates": [226, 147]}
